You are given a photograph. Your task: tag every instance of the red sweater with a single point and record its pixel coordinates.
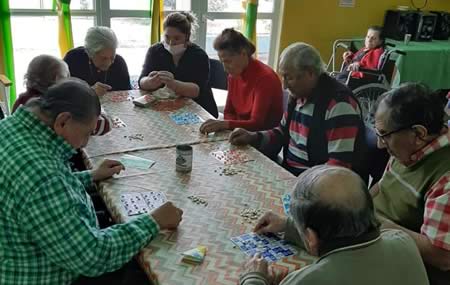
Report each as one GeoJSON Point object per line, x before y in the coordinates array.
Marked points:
{"type": "Point", "coordinates": [255, 98]}
{"type": "Point", "coordinates": [369, 61]}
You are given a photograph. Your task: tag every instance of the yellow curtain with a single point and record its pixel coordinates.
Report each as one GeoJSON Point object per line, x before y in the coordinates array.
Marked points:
{"type": "Point", "coordinates": [157, 16]}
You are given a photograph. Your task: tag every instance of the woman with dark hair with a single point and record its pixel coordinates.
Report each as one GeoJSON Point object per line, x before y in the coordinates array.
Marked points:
{"type": "Point", "coordinates": [255, 95]}
{"type": "Point", "coordinates": [179, 64]}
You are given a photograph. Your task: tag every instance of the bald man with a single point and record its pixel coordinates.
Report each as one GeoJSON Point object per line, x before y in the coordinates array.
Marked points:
{"type": "Point", "coordinates": [332, 217]}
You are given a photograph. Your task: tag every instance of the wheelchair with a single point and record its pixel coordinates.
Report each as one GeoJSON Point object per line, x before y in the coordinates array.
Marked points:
{"type": "Point", "coordinates": [374, 83]}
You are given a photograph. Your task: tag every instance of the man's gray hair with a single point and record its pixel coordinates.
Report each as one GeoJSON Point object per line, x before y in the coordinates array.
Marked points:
{"type": "Point", "coordinates": [98, 38]}
{"type": "Point", "coordinates": [300, 57]}
{"type": "Point", "coordinates": [334, 211]}
{"type": "Point", "coordinates": [43, 72]}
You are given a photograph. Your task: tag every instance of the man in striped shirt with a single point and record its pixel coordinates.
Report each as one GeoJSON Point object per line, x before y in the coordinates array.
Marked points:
{"type": "Point", "coordinates": [323, 123]}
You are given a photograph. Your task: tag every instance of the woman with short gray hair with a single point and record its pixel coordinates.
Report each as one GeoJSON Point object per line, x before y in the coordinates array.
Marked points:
{"type": "Point", "coordinates": [97, 62]}
{"type": "Point", "coordinates": [43, 71]}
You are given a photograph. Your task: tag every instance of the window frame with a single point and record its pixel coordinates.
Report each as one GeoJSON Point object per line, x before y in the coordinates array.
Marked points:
{"type": "Point", "coordinates": [102, 17]}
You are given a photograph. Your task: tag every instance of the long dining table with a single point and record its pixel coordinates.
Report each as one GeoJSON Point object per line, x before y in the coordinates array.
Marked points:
{"type": "Point", "coordinates": [257, 183]}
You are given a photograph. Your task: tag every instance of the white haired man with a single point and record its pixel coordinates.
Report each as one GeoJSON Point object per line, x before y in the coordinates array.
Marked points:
{"type": "Point", "coordinates": [336, 222]}
{"type": "Point", "coordinates": [97, 62]}
{"type": "Point", "coordinates": [323, 123]}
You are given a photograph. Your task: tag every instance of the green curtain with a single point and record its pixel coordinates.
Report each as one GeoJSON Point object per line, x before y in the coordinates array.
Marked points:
{"type": "Point", "coordinates": [156, 15]}
{"type": "Point", "coordinates": [65, 37]}
{"type": "Point", "coordinates": [6, 48]}
{"type": "Point", "coordinates": [251, 14]}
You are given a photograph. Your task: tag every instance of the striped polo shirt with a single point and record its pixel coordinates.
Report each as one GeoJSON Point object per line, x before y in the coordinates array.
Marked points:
{"type": "Point", "coordinates": [341, 122]}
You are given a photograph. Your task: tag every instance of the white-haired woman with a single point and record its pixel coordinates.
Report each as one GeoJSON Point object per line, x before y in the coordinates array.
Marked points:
{"type": "Point", "coordinates": [97, 62]}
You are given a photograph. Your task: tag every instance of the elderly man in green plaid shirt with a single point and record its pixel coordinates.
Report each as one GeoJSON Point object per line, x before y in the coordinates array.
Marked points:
{"type": "Point", "coordinates": [48, 229]}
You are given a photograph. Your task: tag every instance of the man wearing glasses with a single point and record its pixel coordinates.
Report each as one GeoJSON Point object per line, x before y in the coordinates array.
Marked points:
{"type": "Point", "coordinates": [413, 194]}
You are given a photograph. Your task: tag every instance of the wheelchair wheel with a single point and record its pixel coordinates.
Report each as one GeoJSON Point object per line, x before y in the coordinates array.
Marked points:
{"type": "Point", "coordinates": [367, 96]}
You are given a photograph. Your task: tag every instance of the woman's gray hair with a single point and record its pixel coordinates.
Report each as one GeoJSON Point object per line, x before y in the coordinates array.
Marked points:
{"type": "Point", "coordinates": [43, 71]}
{"type": "Point", "coordinates": [98, 38]}
{"type": "Point", "coordinates": [300, 57]}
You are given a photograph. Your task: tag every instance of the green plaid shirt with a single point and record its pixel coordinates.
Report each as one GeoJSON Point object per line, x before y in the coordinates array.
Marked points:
{"type": "Point", "coordinates": [48, 228]}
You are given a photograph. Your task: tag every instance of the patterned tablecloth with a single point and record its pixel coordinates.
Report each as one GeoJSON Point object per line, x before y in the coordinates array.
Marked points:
{"type": "Point", "coordinates": [258, 184]}
{"type": "Point", "coordinates": [148, 128]}
{"type": "Point", "coordinates": [228, 189]}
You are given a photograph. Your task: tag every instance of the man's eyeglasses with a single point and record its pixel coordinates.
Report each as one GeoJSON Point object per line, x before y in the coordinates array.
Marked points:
{"type": "Point", "coordinates": [385, 136]}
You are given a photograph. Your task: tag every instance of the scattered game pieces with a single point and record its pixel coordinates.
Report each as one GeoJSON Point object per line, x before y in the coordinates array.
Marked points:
{"type": "Point", "coordinates": [164, 94]}
{"type": "Point", "coordinates": [131, 161]}
{"type": "Point", "coordinates": [186, 118]}
{"type": "Point", "coordinates": [198, 200]}
{"type": "Point", "coordinates": [195, 255]}
{"type": "Point", "coordinates": [271, 247]}
{"type": "Point", "coordinates": [142, 202]}
{"type": "Point", "coordinates": [118, 97]}
{"type": "Point", "coordinates": [139, 137]}
{"type": "Point", "coordinates": [231, 156]}
{"type": "Point", "coordinates": [251, 215]}
{"type": "Point", "coordinates": [286, 201]}
{"type": "Point", "coordinates": [169, 105]}
{"type": "Point", "coordinates": [228, 171]}
{"type": "Point", "coordinates": [117, 122]}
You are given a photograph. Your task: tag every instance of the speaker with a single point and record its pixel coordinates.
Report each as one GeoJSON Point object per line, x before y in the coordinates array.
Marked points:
{"type": "Point", "coordinates": [399, 23]}
{"type": "Point", "coordinates": [442, 29]}
{"type": "Point", "coordinates": [426, 22]}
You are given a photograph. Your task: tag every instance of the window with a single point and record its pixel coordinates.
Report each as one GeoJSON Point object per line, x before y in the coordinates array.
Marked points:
{"type": "Point", "coordinates": [47, 4]}
{"type": "Point", "coordinates": [130, 21]}
{"type": "Point", "coordinates": [132, 45]}
{"type": "Point", "coordinates": [263, 29]}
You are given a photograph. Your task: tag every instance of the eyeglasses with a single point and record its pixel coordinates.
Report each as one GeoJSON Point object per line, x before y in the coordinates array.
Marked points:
{"type": "Point", "coordinates": [385, 136]}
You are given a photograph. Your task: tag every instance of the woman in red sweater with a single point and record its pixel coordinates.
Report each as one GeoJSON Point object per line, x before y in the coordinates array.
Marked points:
{"type": "Point", "coordinates": [367, 57]}
{"type": "Point", "coordinates": [255, 97]}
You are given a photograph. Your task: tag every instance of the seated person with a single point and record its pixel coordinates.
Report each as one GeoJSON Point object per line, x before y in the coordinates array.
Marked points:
{"type": "Point", "coordinates": [255, 97]}
{"type": "Point", "coordinates": [367, 57]}
{"type": "Point", "coordinates": [49, 232]}
{"type": "Point", "coordinates": [336, 222]}
{"type": "Point", "coordinates": [45, 71]}
{"type": "Point", "coordinates": [179, 64]}
{"type": "Point", "coordinates": [97, 62]}
{"type": "Point", "coordinates": [323, 123]}
{"type": "Point", "coordinates": [413, 194]}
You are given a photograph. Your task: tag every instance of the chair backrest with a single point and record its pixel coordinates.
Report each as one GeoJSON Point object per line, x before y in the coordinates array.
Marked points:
{"type": "Point", "coordinates": [217, 75]}
{"type": "Point", "coordinates": [5, 85]}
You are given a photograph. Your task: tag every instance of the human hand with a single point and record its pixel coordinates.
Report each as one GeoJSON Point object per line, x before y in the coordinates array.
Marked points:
{"type": "Point", "coordinates": [256, 264]}
{"type": "Point", "coordinates": [353, 66]}
{"type": "Point", "coordinates": [211, 126]}
{"type": "Point", "coordinates": [166, 74]}
{"type": "Point", "coordinates": [276, 274]}
{"type": "Point", "coordinates": [168, 79]}
{"type": "Point", "coordinates": [242, 137]}
{"type": "Point", "coordinates": [270, 223]}
{"type": "Point", "coordinates": [346, 56]}
{"type": "Point", "coordinates": [107, 169]}
{"type": "Point", "coordinates": [167, 216]}
{"type": "Point", "coordinates": [101, 88]}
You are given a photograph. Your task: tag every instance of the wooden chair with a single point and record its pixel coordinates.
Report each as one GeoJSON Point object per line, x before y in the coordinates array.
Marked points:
{"type": "Point", "coordinates": [5, 85]}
